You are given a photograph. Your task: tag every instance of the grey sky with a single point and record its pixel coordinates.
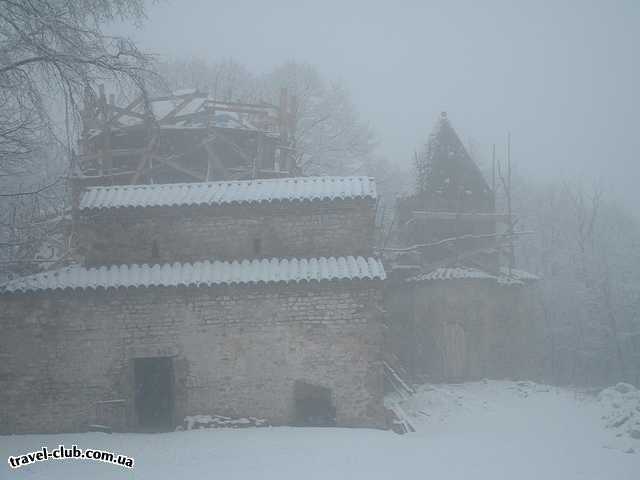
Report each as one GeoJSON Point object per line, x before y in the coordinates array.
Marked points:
{"type": "Point", "coordinates": [562, 76]}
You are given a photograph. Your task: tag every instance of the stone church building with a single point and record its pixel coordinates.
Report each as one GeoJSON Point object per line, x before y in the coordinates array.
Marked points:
{"type": "Point", "coordinates": [249, 298]}
{"type": "Point", "coordinates": [207, 277]}
{"type": "Point", "coordinates": [458, 308]}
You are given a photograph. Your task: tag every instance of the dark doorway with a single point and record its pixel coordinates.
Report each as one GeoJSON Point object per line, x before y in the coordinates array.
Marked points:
{"type": "Point", "coordinates": [154, 393]}
{"type": "Point", "coordinates": [313, 405]}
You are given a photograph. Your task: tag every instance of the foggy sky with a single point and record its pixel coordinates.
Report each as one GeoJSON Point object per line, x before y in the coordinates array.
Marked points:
{"type": "Point", "coordinates": [562, 76]}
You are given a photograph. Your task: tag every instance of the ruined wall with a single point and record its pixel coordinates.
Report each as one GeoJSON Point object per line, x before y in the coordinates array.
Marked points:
{"type": "Point", "coordinates": [235, 351]}
{"type": "Point", "coordinates": [457, 330]}
{"type": "Point", "coordinates": [186, 234]}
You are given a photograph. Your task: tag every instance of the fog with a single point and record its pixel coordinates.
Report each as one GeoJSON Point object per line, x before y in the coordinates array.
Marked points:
{"type": "Point", "coordinates": [560, 76]}
{"type": "Point", "coordinates": [319, 231]}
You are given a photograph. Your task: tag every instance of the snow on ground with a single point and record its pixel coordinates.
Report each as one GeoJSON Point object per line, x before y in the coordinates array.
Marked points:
{"type": "Point", "coordinates": [484, 430]}
{"type": "Point", "coordinates": [622, 414]}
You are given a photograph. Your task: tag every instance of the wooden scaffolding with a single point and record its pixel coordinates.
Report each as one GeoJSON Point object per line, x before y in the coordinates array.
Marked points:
{"type": "Point", "coordinates": [184, 137]}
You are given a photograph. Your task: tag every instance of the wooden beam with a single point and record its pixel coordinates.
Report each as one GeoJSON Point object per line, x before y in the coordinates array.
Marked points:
{"type": "Point", "coordinates": [293, 116]}
{"type": "Point", "coordinates": [146, 154]}
{"type": "Point", "coordinates": [422, 215]}
{"type": "Point", "coordinates": [218, 135]}
{"type": "Point", "coordinates": [128, 110]}
{"type": "Point", "coordinates": [283, 122]}
{"type": "Point", "coordinates": [188, 99]}
{"type": "Point", "coordinates": [215, 161]}
{"type": "Point", "coordinates": [181, 168]}
{"type": "Point", "coordinates": [258, 161]}
{"type": "Point", "coordinates": [233, 106]}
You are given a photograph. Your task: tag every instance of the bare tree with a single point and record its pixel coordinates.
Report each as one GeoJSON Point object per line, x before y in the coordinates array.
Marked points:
{"type": "Point", "coordinates": [587, 250]}
{"type": "Point", "coordinates": [329, 136]}
{"type": "Point", "coordinates": [226, 80]}
{"type": "Point", "coordinates": [52, 53]}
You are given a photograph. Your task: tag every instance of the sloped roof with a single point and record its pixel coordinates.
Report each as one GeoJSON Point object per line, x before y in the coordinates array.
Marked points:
{"type": "Point", "coordinates": [515, 277]}
{"type": "Point", "coordinates": [451, 175]}
{"type": "Point", "coordinates": [205, 273]}
{"type": "Point", "coordinates": [229, 192]}
{"type": "Point", "coordinates": [453, 273]}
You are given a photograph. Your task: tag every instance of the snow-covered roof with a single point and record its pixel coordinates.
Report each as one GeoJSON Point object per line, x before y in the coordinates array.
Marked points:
{"type": "Point", "coordinates": [505, 277]}
{"type": "Point", "coordinates": [452, 273]}
{"type": "Point", "coordinates": [229, 192]}
{"type": "Point", "coordinates": [515, 276]}
{"type": "Point", "coordinates": [205, 273]}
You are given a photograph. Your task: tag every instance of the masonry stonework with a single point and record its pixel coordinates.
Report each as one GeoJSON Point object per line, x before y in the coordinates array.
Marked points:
{"type": "Point", "coordinates": [226, 232]}
{"type": "Point", "coordinates": [235, 350]}
{"type": "Point", "coordinates": [461, 330]}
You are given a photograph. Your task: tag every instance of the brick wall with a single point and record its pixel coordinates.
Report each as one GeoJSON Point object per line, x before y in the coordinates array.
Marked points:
{"type": "Point", "coordinates": [235, 351]}
{"type": "Point", "coordinates": [184, 234]}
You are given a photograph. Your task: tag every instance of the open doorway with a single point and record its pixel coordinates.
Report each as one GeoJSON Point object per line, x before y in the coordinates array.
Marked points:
{"type": "Point", "coordinates": [313, 405]}
{"type": "Point", "coordinates": [154, 393]}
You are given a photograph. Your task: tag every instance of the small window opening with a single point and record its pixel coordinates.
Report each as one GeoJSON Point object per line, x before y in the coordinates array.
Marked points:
{"type": "Point", "coordinates": [313, 406]}
{"type": "Point", "coordinates": [257, 246]}
{"type": "Point", "coordinates": [155, 251]}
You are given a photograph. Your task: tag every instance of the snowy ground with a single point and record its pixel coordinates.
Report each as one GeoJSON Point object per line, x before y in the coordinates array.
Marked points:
{"type": "Point", "coordinates": [484, 430]}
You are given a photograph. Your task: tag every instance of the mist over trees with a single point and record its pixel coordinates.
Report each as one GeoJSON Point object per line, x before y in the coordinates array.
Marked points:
{"type": "Point", "coordinates": [329, 136]}
{"type": "Point", "coordinates": [585, 247]}
{"type": "Point", "coordinates": [52, 56]}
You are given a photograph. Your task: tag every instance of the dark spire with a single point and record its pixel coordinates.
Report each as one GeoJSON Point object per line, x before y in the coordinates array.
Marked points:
{"type": "Point", "coordinates": [450, 177]}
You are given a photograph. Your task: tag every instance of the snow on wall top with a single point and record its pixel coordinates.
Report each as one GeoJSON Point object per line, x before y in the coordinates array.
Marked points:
{"type": "Point", "coordinates": [515, 277]}
{"type": "Point", "coordinates": [205, 273]}
{"type": "Point", "coordinates": [228, 192]}
{"type": "Point", "coordinates": [452, 273]}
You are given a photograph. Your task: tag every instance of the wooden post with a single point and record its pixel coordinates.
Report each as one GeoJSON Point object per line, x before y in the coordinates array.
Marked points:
{"type": "Point", "coordinates": [283, 114]}
{"type": "Point", "coordinates": [209, 168]}
{"type": "Point", "coordinates": [106, 159]}
{"type": "Point", "coordinates": [74, 183]}
{"type": "Point", "coordinates": [293, 118]}
{"type": "Point", "coordinates": [509, 212]}
{"type": "Point", "coordinates": [258, 162]}
{"type": "Point", "coordinates": [493, 175]}
{"type": "Point", "coordinates": [293, 115]}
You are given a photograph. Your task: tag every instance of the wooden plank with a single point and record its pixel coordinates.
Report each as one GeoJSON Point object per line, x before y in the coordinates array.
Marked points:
{"type": "Point", "coordinates": [292, 116]}
{"type": "Point", "coordinates": [123, 111]}
{"type": "Point", "coordinates": [187, 100]}
{"type": "Point", "coordinates": [251, 106]}
{"type": "Point", "coordinates": [422, 215]}
{"type": "Point", "coordinates": [143, 161]}
{"type": "Point", "coordinates": [283, 124]}
{"type": "Point", "coordinates": [258, 161]}
{"type": "Point", "coordinates": [181, 168]}
{"type": "Point", "coordinates": [215, 162]}
{"type": "Point", "coordinates": [128, 110]}
{"type": "Point", "coordinates": [218, 135]}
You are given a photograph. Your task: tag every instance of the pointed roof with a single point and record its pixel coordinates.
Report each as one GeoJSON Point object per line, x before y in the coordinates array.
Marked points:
{"type": "Point", "coordinates": [452, 176]}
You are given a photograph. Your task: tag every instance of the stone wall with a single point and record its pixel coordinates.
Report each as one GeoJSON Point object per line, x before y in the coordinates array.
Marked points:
{"type": "Point", "coordinates": [186, 234]}
{"type": "Point", "coordinates": [235, 351]}
{"type": "Point", "coordinates": [466, 329]}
